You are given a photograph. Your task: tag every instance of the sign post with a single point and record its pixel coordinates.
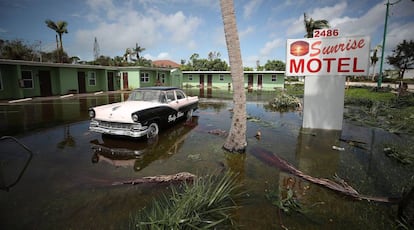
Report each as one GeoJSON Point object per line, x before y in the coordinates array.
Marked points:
{"type": "Point", "coordinates": [326, 62]}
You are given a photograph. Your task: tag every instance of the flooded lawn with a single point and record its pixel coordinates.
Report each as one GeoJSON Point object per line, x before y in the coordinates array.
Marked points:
{"type": "Point", "coordinates": [68, 182]}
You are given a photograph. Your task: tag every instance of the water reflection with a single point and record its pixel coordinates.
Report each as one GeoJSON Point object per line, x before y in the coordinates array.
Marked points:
{"type": "Point", "coordinates": [45, 113]}
{"type": "Point", "coordinates": [139, 153]}
{"type": "Point", "coordinates": [15, 158]}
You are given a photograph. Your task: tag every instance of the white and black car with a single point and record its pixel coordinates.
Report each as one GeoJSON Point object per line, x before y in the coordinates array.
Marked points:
{"type": "Point", "coordinates": [146, 110]}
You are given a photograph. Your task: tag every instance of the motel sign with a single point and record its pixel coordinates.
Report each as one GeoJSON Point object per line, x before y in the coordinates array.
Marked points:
{"type": "Point", "coordinates": [328, 56]}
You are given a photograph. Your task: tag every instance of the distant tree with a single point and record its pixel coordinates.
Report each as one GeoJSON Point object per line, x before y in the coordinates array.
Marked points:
{"type": "Point", "coordinates": [311, 25]}
{"type": "Point", "coordinates": [374, 59]}
{"type": "Point", "coordinates": [127, 54]}
{"type": "Point", "coordinates": [138, 49]}
{"type": "Point", "coordinates": [60, 27]}
{"type": "Point", "coordinates": [276, 65]}
{"type": "Point", "coordinates": [213, 55]}
{"type": "Point", "coordinates": [119, 61]}
{"type": "Point", "coordinates": [74, 59]}
{"type": "Point", "coordinates": [104, 61]}
{"type": "Point", "coordinates": [247, 68]}
{"type": "Point", "coordinates": [16, 50]}
{"type": "Point", "coordinates": [212, 63]}
{"type": "Point", "coordinates": [236, 140]}
{"type": "Point", "coordinates": [402, 57]}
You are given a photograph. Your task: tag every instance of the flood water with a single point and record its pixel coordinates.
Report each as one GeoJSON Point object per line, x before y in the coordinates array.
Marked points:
{"type": "Point", "coordinates": [67, 180]}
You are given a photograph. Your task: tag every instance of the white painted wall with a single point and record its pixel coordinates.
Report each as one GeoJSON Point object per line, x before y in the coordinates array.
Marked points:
{"type": "Point", "coordinates": [324, 102]}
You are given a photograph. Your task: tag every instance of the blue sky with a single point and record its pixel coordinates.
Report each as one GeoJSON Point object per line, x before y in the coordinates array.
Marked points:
{"type": "Point", "coordinates": [176, 29]}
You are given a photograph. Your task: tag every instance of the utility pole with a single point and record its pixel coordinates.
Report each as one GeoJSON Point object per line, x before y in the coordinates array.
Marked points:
{"type": "Point", "coordinates": [383, 41]}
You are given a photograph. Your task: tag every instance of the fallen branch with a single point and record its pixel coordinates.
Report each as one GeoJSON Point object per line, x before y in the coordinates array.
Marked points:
{"type": "Point", "coordinates": [182, 176]}
{"type": "Point", "coordinates": [340, 186]}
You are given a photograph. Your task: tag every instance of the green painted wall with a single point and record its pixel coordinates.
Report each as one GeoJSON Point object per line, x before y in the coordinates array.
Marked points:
{"type": "Point", "coordinates": [9, 80]}
{"type": "Point", "coordinates": [224, 81]}
{"type": "Point", "coordinates": [68, 80]}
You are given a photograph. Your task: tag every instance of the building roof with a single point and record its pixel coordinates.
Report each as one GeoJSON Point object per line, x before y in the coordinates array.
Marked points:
{"type": "Point", "coordinates": [165, 63]}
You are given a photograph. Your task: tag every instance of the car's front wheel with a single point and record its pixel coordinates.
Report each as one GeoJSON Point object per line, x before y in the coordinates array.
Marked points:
{"type": "Point", "coordinates": [152, 130]}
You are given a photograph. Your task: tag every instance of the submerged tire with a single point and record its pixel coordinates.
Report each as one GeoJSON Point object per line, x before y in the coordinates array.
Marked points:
{"type": "Point", "coordinates": [153, 130]}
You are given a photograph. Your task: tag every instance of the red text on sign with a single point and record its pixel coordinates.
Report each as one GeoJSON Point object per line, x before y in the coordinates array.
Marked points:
{"type": "Point", "coordinates": [351, 44]}
{"type": "Point", "coordinates": [327, 65]}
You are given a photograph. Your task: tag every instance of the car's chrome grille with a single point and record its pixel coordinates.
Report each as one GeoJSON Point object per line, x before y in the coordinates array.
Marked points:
{"type": "Point", "coordinates": [114, 125]}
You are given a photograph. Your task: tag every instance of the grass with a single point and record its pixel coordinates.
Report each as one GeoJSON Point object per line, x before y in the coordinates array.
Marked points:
{"type": "Point", "coordinates": [207, 202]}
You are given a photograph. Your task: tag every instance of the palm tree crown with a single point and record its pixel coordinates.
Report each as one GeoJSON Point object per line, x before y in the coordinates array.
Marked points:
{"type": "Point", "coordinates": [60, 27]}
{"type": "Point", "coordinates": [311, 25]}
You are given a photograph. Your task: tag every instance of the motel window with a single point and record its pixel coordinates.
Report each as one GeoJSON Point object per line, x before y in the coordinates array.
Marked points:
{"type": "Point", "coordinates": [1, 82]}
{"type": "Point", "coordinates": [274, 77]}
{"type": "Point", "coordinates": [221, 77]}
{"type": "Point", "coordinates": [190, 77]}
{"type": "Point", "coordinates": [27, 79]}
{"type": "Point", "coordinates": [92, 78]}
{"type": "Point", "coordinates": [144, 77]}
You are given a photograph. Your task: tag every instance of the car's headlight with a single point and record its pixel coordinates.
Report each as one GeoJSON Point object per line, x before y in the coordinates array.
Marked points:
{"type": "Point", "coordinates": [134, 117]}
{"type": "Point", "coordinates": [91, 113]}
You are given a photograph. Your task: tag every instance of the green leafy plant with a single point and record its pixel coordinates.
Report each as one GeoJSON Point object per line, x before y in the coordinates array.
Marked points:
{"type": "Point", "coordinates": [205, 203]}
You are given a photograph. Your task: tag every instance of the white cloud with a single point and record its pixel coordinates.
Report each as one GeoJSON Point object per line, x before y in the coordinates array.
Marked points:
{"type": "Point", "coordinates": [330, 13]}
{"type": "Point", "coordinates": [124, 26]}
{"type": "Point", "coordinates": [246, 32]}
{"type": "Point", "coordinates": [251, 7]}
{"type": "Point", "coordinates": [270, 46]}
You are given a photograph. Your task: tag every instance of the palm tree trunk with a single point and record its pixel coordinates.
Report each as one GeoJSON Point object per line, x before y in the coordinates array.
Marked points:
{"type": "Point", "coordinates": [236, 140]}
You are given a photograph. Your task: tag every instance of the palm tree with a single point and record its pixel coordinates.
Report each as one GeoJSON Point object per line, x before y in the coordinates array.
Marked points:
{"type": "Point", "coordinates": [236, 140]}
{"type": "Point", "coordinates": [137, 50]}
{"type": "Point", "coordinates": [374, 60]}
{"type": "Point", "coordinates": [311, 25]}
{"type": "Point", "coordinates": [60, 27]}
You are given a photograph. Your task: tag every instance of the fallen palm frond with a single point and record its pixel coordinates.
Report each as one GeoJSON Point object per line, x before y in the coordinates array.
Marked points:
{"type": "Point", "coordinates": [206, 203]}
{"type": "Point", "coordinates": [404, 155]}
{"type": "Point", "coordinates": [182, 176]}
{"type": "Point", "coordinates": [340, 186]}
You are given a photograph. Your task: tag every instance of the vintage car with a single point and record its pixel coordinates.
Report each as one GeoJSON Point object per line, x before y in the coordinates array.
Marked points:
{"type": "Point", "coordinates": [146, 110]}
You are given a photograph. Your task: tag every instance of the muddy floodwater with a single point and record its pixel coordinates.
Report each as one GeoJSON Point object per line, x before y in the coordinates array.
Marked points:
{"type": "Point", "coordinates": [64, 179]}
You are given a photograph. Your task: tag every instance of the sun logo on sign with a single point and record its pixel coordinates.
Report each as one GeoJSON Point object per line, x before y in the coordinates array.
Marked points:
{"type": "Point", "coordinates": [299, 48]}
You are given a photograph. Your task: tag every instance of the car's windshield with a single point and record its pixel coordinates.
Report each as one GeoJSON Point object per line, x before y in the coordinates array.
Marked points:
{"type": "Point", "coordinates": [147, 95]}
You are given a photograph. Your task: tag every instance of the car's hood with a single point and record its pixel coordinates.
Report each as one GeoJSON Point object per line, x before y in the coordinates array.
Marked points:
{"type": "Point", "coordinates": [121, 112]}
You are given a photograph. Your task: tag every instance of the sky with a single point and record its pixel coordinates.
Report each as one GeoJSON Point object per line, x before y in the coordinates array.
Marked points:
{"type": "Point", "coordinates": [177, 29]}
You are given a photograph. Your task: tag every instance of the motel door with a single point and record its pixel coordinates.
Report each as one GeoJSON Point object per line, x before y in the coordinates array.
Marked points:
{"type": "Point", "coordinates": [209, 80]}
{"type": "Point", "coordinates": [81, 82]}
{"type": "Point", "coordinates": [201, 81]}
{"type": "Point", "coordinates": [250, 81]}
{"type": "Point", "coordinates": [125, 80]}
{"type": "Point", "coordinates": [259, 81]}
{"type": "Point", "coordinates": [110, 81]}
{"type": "Point", "coordinates": [45, 83]}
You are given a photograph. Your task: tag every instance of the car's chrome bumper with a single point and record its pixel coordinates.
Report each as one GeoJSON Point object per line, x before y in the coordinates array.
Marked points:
{"type": "Point", "coordinates": [121, 129]}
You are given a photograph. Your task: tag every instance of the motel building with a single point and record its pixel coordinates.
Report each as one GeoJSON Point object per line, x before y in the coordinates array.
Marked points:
{"type": "Point", "coordinates": [28, 79]}
{"type": "Point", "coordinates": [253, 80]}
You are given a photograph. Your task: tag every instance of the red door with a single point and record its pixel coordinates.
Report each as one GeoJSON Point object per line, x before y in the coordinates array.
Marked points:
{"type": "Point", "coordinates": [110, 81]}
{"type": "Point", "coordinates": [250, 81]}
{"type": "Point", "coordinates": [125, 80]}
{"type": "Point", "coordinates": [81, 82]}
{"type": "Point", "coordinates": [209, 80]}
{"type": "Point", "coordinates": [259, 81]}
{"type": "Point", "coordinates": [45, 83]}
{"type": "Point", "coordinates": [201, 81]}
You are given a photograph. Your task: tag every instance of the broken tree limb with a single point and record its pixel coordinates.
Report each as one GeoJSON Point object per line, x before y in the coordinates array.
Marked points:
{"type": "Point", "coordinates": [182, 176]}
{"type": "Point", "coordinates": [340, 186]}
